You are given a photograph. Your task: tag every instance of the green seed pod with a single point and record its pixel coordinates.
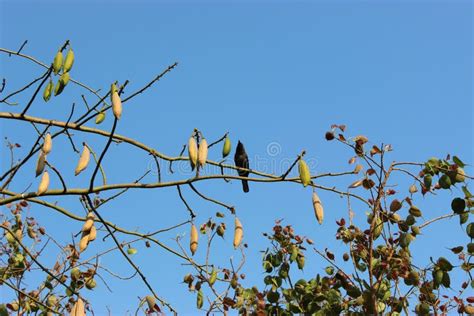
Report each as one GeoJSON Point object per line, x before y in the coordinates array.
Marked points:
{"type": "Point", "coordinates": [463, 218]}
{"type": "Point", "coordinates": [91, 284]}
{"type": "Point", "coordinates": [458, 205]}
{"type": "Point", "coordinates": [65, 78]}
{"type": "Point", "coordinates": [378, 227]}
{"type": "Point", "coordinates": [227, 147]}
{"type": "Point", "coordinates": [415, 211]}
{"type": "Point", "coordinates": [100, 117]}
{"type": "Point", "coordinates": [427, 181]}
{"type": "Point", "coordinates": [69, 61]}
{"type": "Point", "coordinates": [199, 299]}
{"type": "Point", "coordinates": [213, 277]}
{"type": "Point", "coordinates": [470, 230]}
{"type": "Point", "coordinates": [305, 175]}
{"type": "Point", "coordinates": [444, 181]}
{"type": "Point", "coordinates": [48, 90]}
{"type": "Point", "coordinates": [57, 62]}
{"type": "Point", "coordinates": [300, 260]}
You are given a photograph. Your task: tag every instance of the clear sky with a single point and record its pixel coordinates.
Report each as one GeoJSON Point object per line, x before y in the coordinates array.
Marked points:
{"type": "Point", "coordinates": [275, 75]}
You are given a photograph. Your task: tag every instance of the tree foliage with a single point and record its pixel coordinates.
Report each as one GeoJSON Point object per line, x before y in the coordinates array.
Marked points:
{"type": "Point", "coordinates": [375, 275]}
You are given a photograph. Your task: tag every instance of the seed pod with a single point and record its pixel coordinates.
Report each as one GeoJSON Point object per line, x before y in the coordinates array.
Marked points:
{"type": "Point", "coordinates": [83, 160]}
{"type": "Point", "coordinates": [44, 183]}
{"type": "Point", "coordinates": [303, 169]}
{"type": "Point", "coordinates": [91, 284]}
{"type": "Point", "coordinates": [40, 163]}
{"type": "Point", "coordinates": [358, 168]}
{"type": "Point", "coordinates": [64, 79]}
{"type": "Point", "coordinates": [69, 61]}
{"type": "Point", "coordinates": [78, 308]}
{"type": "Point", "coordinates": [356, 184]}
{"type": "Point", "coordinates": [57, 62]}
{"type": "Point", "coordinates": [300, 261]}
{"type": "Point", "coordinates": [83, 242]}
{"type": "Point", "coordinates": [238, 233]}
{"type": "Point", "coordinates": [75, 274]}
{"type": "Point", "coordinates": [58, 88]}
{"type": "Point", "coordinates": [48, 90]}
{"type": "Point", "coordinates": [48, 144]}
{"type": "Point", "coordinates": [116, 102]}
{"type": "Point", "coordinates": [92, 233]}
{"type": "Point", "coordinates": [227, 147]}
{"type": "Point", "coordinates": [192, 152]}
{"type": "Point", "coordinates": [202, 152]}
{"type": "Point", "coordinates": [151, 301]}
{"type": "Point", "coordinates": [213, 277]}
{"type": "Point", "coordinates": [88, 223]}
{"type": "Point", "coordinates": [199, 299]}
{"type": "Point", "coordinates": [100, 118]}
{"type": "Point", "coordinates": [395, 206]}
{"type": "Point", "coordinates": [193, 243]}
{"type": "Point", "coordinates": [415, 211]}
{"type": "Point", "coordinates": [378, 227]}
{"type": "Point", "coordinates": [412, 189]}
{"type": "Point", "coordinates": [318, 208]}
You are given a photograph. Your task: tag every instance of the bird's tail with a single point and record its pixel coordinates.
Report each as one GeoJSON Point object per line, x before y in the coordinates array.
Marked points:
{"type": "Point", "coordinates": [245, 185]}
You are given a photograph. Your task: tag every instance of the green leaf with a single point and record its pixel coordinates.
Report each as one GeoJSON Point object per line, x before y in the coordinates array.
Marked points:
{"type": "Point", "coordinates": [466, 192]}
{"type": "Point", "coordinates": [458, 162]}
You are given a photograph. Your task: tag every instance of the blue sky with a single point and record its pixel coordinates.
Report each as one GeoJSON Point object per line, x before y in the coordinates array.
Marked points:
{"type": "Point", "coordinates": [272, 74]}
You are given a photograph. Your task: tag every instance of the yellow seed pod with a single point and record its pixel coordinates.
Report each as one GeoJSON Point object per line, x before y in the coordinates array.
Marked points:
{"type": "Point", "coordinates": [303, 169]}
{"type": "Point", "coordinates": [88, 223]}
{"type": "Point", "coordinates": [202, 153]}
{"type": "Point", "coordinates": [92, 234]}
{"type": "Point", "coordinates": [151, 301]}
{"type": "Point", "coordinates": [48, 90]}
{"type": "Point", "coordinates": [238, 233]}
{"type": "Point", "coordinates": [58, 88]}
{"type": "Point", "coordinates": [64, 79]}
{"type": "Point", "coordinates": [78, 308]}
{"type": "Point", "coordinates": [83, 160]}
{"type": "Point", "coordinates": [412, 189]}
{"type": "Point", "coordinates": [227, 147]}
{"type": "Point", "coordinates": [193, 243]}
{"type": "Point", "coordinates": [213, 277]}
{"type": "Point", "coordinates": [116, 102]}
{"type": "Point", "coordinates": [358, 168]}
{"type": "Point", "coordinates": [40, 163]}
{"type": "Point", "coordinates": [318, 208]}
{"type": "Point", "coordinates": [44, 183]}
{"type": "Point", "coordinates": [356, 184]}
{"type": "Point", "coordinates": [69, 61]}
{"type": "Point", "coordinates": [192, 152]}
{"type": "Point", "coordinates": [100, 118]}
{"type": "Point", "coordinates": [48, 144]}
{"type": "Point", "coordinates": [57, 62]}
{"type": "Point", "coordinates": [83, 242]}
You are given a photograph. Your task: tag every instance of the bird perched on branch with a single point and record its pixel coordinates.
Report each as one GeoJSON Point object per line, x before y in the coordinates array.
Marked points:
{"type": "Point", "coordinates": [242, 160]}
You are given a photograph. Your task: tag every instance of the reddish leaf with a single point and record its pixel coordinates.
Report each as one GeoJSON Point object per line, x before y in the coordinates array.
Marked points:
{"type": "Point", "coordinates": [342, 138]}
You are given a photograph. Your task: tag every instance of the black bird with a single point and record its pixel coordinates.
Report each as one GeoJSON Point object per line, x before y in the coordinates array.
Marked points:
{"type": "Point", "coordinates": [242, 160]}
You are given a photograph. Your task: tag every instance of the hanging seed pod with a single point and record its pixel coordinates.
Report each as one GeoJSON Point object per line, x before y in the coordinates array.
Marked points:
{"type": "Point", "coordinates": [88, 223]}
{"type": "Point", "coordinates": [318, 208]}
{"type": "Point", "coordinates": [91, 284]}
{"type": "Point", "coordinates": [303, 169]}
{"type": "Point", "coordinates": [151, 301]}
{"type": "Point", "coordinates": [83, 160]}
{"type": "Point", "coordinates": [116, 102]}
{"type": "Point", "coordinates": [44, 183]}
{"type": "Point", "coordinates": [48, 91]}
{"type": "Point", "coordinates": [357, 169]}
{"type": "Point", "coordinates": [227, 147]}
{"type": "Point", "coordinates": [199, 299]}
{"type": "Point", "coordinates": [92, 233]}
{"type": "Point", "coordinates": [58, 88]}
{"type": "Point", "coordinates": [238, 233]}
{"type": "Point", "coordinates": [356, 184]}
{"type": "Point", "coordinates": [48, 144]}
{"type": "Point", "coordinates": [64, 79]}
{"type": "Point", "coordinates": [213, 277]}
{"type": "Point", "coordinates": [192, 152]}
{"type": "Point", "coordinates": [57, 62]}
{"type": "Point", "coordinates": [378, 227]}
{"type": "Point", "coordinates": [100, 118]}
{"type": "Point", "coordinates": [413, 189]}
{"type": "Point", "coordinates": [202, 152]}
{"type": "Point", "coordinates": [78, 308]}
{"type": "Point", "coordinates": [83, 242]}
{"type": "Point", "coordinates": [69, 61]}
{"type": "Point", "coordinates": [395, 206]}
{"type": "Point", "coordinates": [193, 243]}
{"type": "Point", "coordinates": [40, 164]}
